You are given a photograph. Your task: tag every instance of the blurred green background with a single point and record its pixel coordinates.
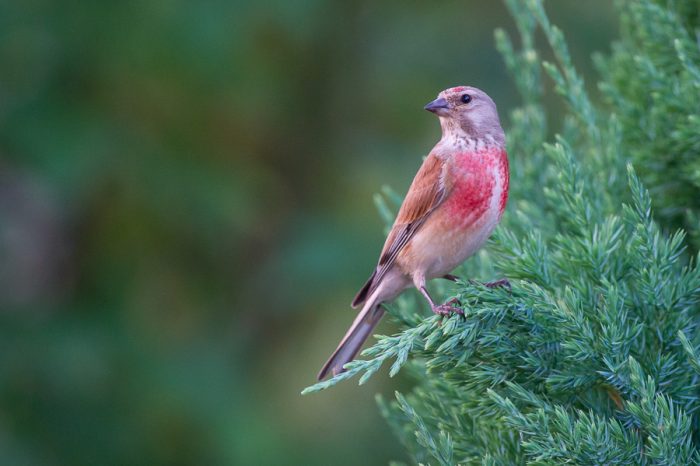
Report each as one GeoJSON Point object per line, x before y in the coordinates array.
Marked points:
{"type": "Point", "coordinates": [186, 212]}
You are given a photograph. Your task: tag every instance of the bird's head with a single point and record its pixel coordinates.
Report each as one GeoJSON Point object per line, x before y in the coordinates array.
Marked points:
{"type": "Point", "coordinates": [467, 112]}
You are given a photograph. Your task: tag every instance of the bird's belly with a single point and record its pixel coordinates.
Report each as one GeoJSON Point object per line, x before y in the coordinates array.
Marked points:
{"type": "Point", "coordinates": [445, 243]}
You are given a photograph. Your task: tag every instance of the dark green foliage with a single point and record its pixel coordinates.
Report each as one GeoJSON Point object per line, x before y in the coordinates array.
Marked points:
{"type": "Point", "coordinates": [592, 356]}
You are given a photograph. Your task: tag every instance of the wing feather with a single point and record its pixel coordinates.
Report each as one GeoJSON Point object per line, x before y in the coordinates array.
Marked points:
{"type": "Point", "coordinates": [427, 191]}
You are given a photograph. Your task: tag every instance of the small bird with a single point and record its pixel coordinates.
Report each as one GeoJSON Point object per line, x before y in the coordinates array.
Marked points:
{"type": "Point", "coordinates": [453, 204]}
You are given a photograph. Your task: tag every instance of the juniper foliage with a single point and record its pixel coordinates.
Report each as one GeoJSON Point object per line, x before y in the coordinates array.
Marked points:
{"type": "Point", "coordinates": [652, 80]}
{"type": "Point", "coordinates": [593, 356]}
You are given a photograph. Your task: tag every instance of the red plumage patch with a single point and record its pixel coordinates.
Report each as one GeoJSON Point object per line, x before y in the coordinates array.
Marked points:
{"type": "Point", "coordinates": [472, 196]}
{"type": "Point", "coordinates": [506, 176]}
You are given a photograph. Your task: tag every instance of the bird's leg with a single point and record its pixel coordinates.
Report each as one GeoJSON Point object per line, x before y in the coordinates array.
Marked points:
{"type": "Point", "coordinates": [450, 277]}
{"type": "Point", "coordinates": [502, 283]}
{"type": "Point", "coordinates": [441, 309]}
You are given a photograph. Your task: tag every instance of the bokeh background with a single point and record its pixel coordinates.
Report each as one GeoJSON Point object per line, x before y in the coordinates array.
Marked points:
{"type": "Point", "coordinates": [186, 212]}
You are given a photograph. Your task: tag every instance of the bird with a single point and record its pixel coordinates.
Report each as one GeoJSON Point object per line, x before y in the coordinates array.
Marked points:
{"type": "Point", "coordinates": [454, 203]}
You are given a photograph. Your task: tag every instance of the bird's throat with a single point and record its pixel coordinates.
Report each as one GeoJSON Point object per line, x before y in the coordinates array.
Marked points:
{"type": "Point", "coordinates": [454, 130]}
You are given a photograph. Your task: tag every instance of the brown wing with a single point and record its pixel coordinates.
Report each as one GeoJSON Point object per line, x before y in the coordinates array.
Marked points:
{"type": "Point", "coordinates": [426, 192]}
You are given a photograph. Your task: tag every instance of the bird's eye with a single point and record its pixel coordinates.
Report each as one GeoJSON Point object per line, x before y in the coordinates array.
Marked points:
{"type": "Point", "coordinates": [466, 98]}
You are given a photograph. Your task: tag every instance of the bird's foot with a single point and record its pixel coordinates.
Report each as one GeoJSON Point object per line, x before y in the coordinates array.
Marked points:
{"type": "Point", "coordinates": [448, 308]}
{"type": "Point", "coordinates": [502, 283]}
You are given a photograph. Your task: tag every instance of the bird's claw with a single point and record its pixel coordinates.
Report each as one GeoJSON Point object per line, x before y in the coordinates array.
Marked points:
{"type": "Point", "coordinates": [447, 309]}
{"type": "Point", "coordinates": [502, 283]}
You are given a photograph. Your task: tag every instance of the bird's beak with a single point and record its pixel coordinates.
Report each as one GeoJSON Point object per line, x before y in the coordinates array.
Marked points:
{"type": "Point", "coordinates": [436, 105]}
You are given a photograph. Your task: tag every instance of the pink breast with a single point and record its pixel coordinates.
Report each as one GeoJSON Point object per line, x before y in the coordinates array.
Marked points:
{"type": "Point", "coordinates": [476, 177]}
{"type": "Point", "coordinates": [505, 172]}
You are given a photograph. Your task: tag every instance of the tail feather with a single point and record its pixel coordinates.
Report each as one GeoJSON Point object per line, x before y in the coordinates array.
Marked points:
{"type": "Point", "coordinates": [361, 296]}
{"type": "Point", "coordinates": [351, 343]}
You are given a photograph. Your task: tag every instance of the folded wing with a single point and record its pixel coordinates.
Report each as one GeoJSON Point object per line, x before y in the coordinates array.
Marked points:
{"type": "Point", "coordinates": [428, 189]}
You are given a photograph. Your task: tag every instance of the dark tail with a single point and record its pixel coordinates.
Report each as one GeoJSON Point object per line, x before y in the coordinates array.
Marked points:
{"type": "Point", "coordinates": [365, 291]}
{"type": "Point", "coordinates": [351, 343]}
